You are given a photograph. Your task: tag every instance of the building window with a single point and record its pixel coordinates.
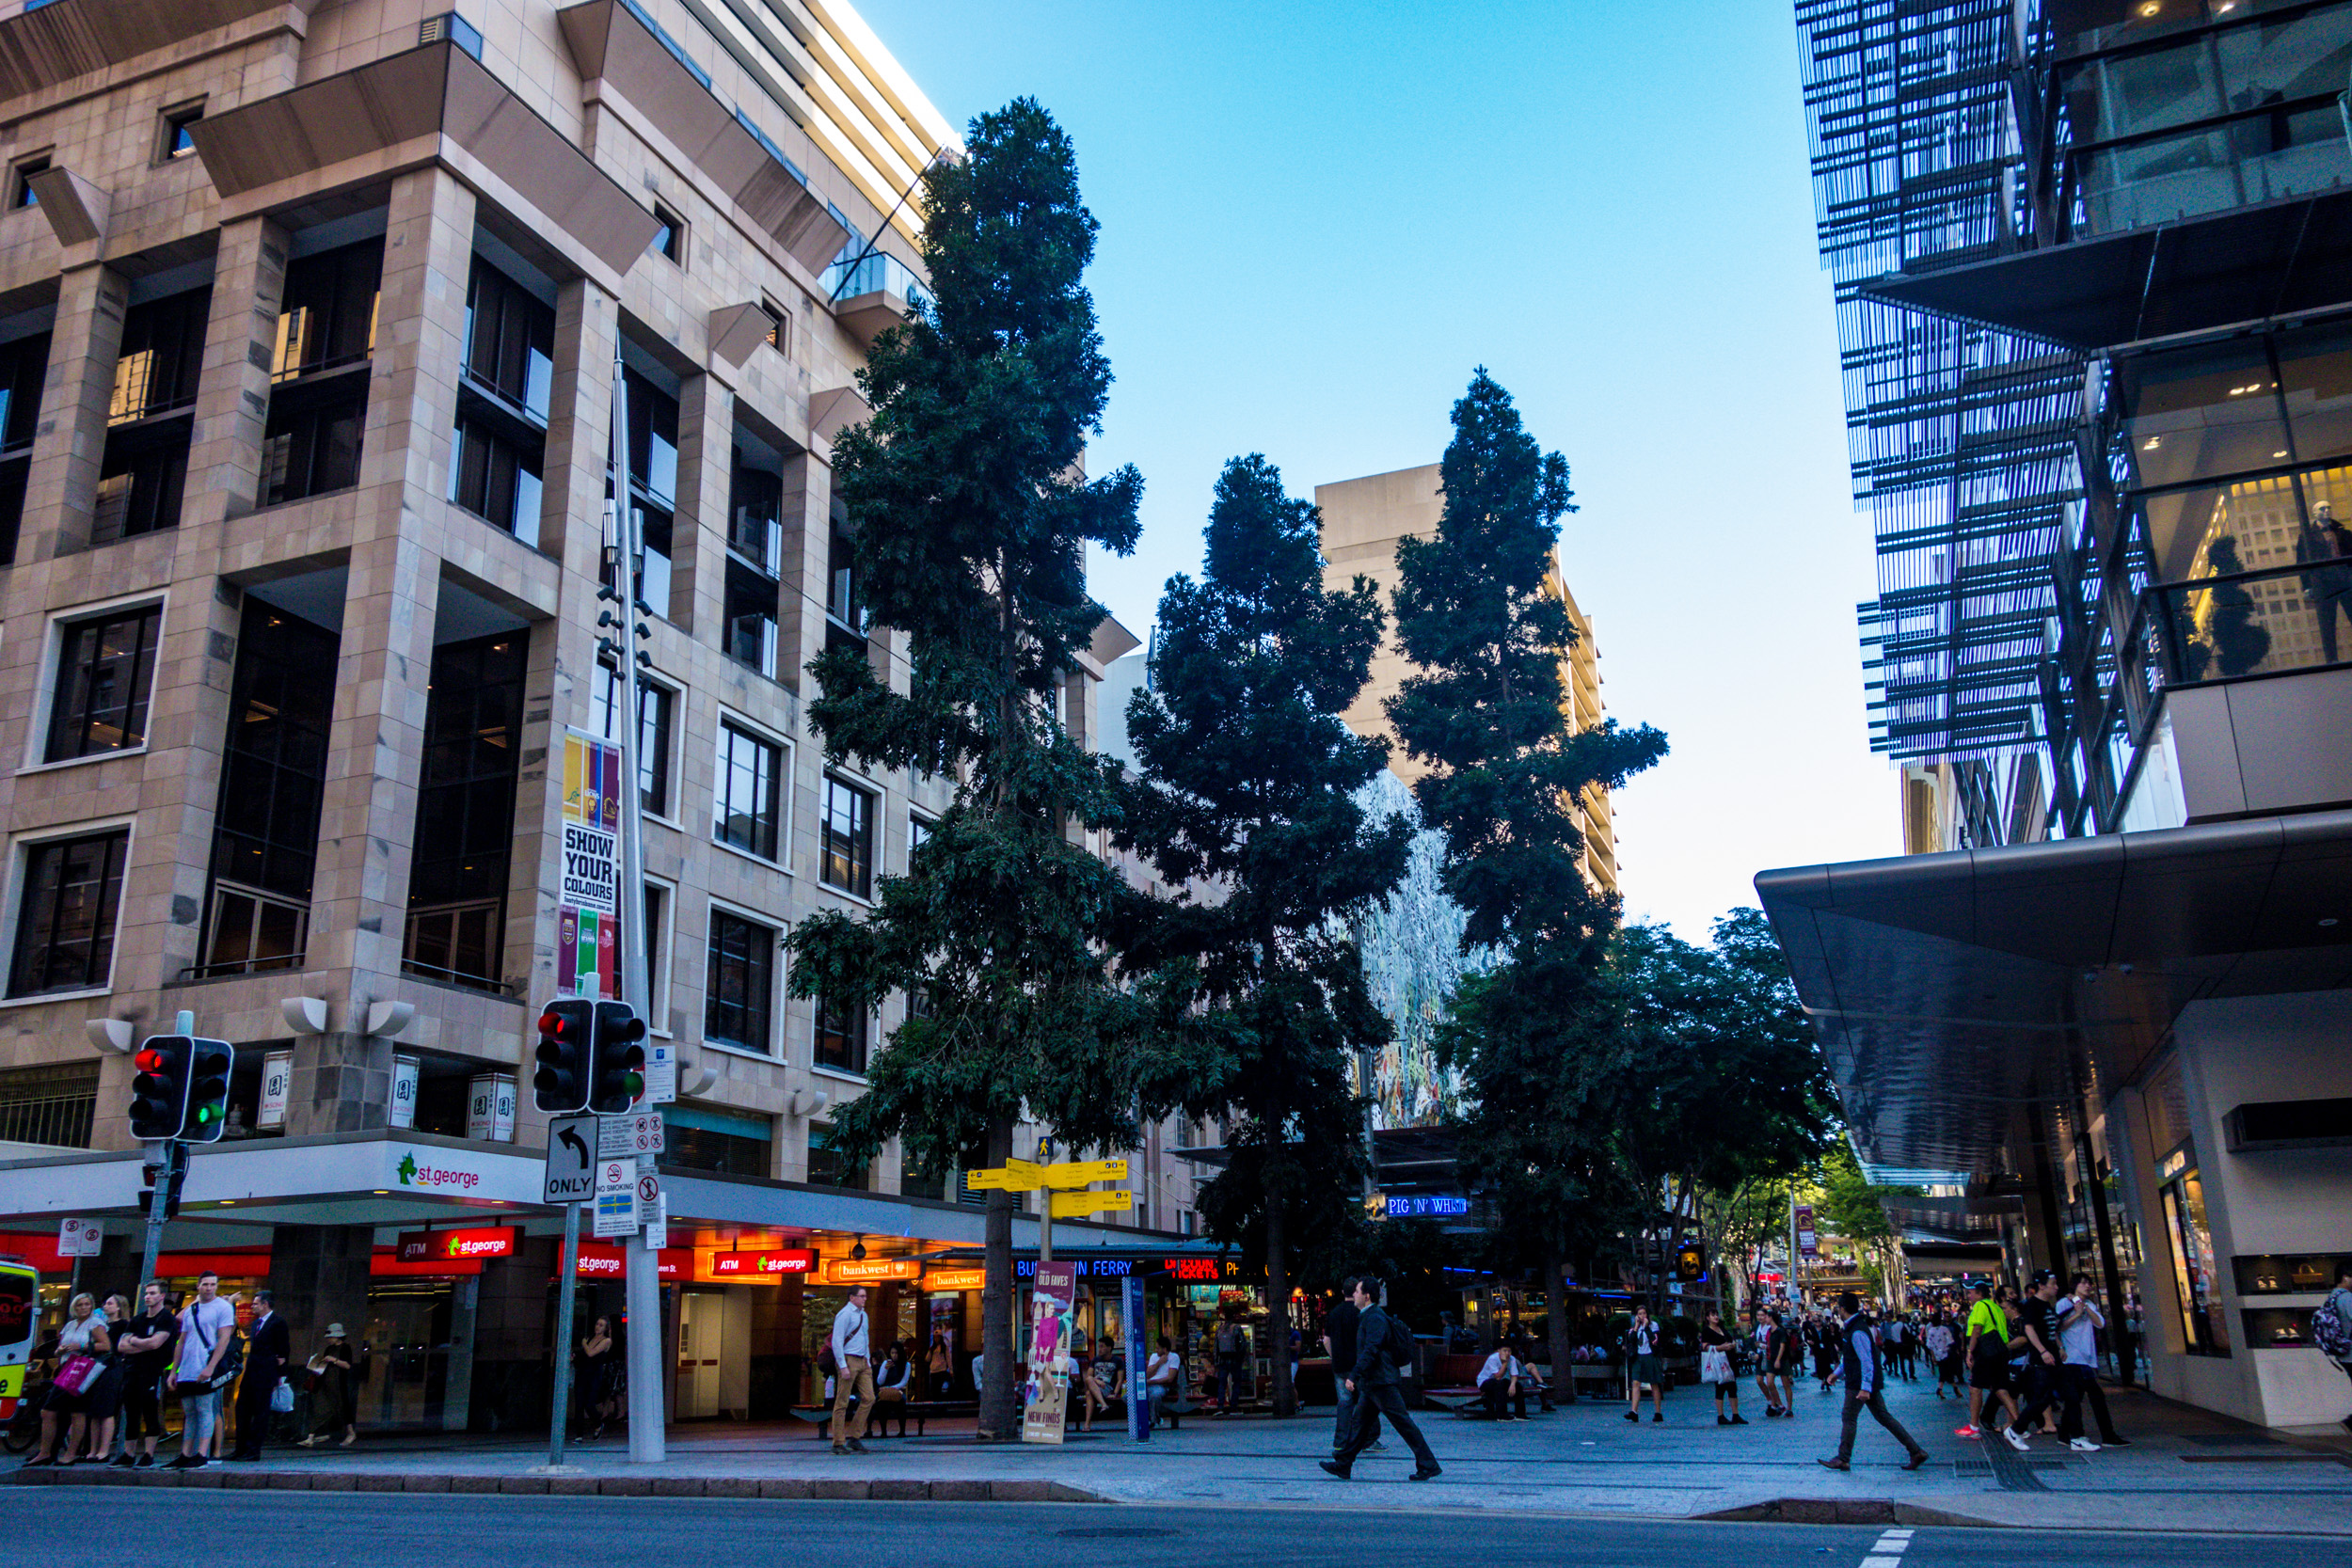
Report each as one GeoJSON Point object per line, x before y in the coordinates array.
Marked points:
{"type": "Point", "coordinates": [497, 470]}
{"type": "Point", "coordinates": [105, 670]}
{"type": "Point", "coordinates": [273, 780]}
{"type": "Point", "coordinates": [318, 404]}
{"type": "Point", "coordinates": [703, 1137]}
{"type": "Point", "coordinates": [742, 971]}
{"type": "Point", "coordinates": [510, 341]}
{"type": "Point", "coordinates": [919, 830]}
{"type": "Point", "coordinates": [654, 704]}
{"type": "Point", "coordinates": [2205, 1320]}
{"type": "Point", "coordinates": [23, 367]}
{"type": "Point", "coordinates": [840, 1035]}
{"type": "Point", "coordinates": [65, 928]}
{"type": "Point", "coordinates": [656, 1009]}
{"type": "Point", "coordinates": [497, 478]}
{"type": "Point", "coordinates": [142, 473]}
{"type": "Point", "coordinates": [914, 1182]}
{"type": "Point", "coordinates": [465, 831]}
{"type": "Point", "coordinates": [668, 235]}
{"type": "Point", "coordinates": [652, 483]}
{"type": "Point", "coordinates": [55, 1106]}
{"type": "Point", "coordinates": [749, 801]}
{"type": "Point", "coordinates": [825, 1166]}
{"type": "Point", "coordinates": [845, 835]}
{"type": "Point", "coordinates": [779, 324]}
{"type": "Point", "coordinates": [751, 619]}
{"type": "Point", "coordinates": [178, 140]}
{"type": "Point", "coordinates": [21, 192]}
{"type": "Point", "coordinates": [845, 615]}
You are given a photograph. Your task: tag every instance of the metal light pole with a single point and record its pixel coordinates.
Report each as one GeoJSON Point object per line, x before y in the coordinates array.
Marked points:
{"type": "Point", "coordinates": [566, 1287]}
{"type": "Point", "coordinates": [642, 1302]}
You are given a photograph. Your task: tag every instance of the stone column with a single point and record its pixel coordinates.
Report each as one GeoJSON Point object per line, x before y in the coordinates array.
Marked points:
{"type": "Point", "coordinates": [341, 1082]}
{"type": "Point", "coordinates": [318, 1276]}
{"type": "Point", "coordinates": [232, 395]}
{"type": "Point", "coordinates": [698, 547]}
{"type": "Point", "coordinates": [62, 485]}
{"type": "Point", "coordinates": [457, 1387]}
{"type": "Point", "coordinates": [579, 428]}
{"type": "Point", "coordinates": [806, 510]}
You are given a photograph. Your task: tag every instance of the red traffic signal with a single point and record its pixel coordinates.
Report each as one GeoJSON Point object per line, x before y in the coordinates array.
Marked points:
{"type": "Point", "coordinates": [159, 1087]}
{"type": "Point", "coordinates": [567, 1031]}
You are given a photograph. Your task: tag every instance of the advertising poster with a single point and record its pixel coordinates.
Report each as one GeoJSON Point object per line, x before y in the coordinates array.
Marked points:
{"type": "Point", "coordinates": [1138, 1351]}
{"type": "Point", "coordinates": [1807, 1240]}
{"type": "Point", "coordinates": [588, 904]}
{"type": "Point", "coordinates": [1048, 1391]}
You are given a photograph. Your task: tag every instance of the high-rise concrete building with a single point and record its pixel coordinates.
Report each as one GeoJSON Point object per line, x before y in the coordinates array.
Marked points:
{"type": "Point", "coordinates": [2094, 267]}
{"type": "Point", "coordinates": [309, 311]}
{"type": "Point", "coordinates": [1363, 522]}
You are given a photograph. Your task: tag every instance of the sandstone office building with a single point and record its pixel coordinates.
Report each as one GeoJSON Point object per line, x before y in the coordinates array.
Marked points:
{"type": "Point", "coordinates": [309, 313]}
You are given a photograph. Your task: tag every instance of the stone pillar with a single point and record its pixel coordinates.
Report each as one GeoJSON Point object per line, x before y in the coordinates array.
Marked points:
{"type": "Point", "coordinates": [342, 1080]}
{"type": "Point", "coordinates": [580, 427]}
{"type": "Point", "coordinates": [360, 902]}
{"type": "Point", "coordinates": [800, 631]}
{"type": "Point", "coordinates": [318, 1276]}
{"type": "Point", "coordinates": [706, 475]}
{"type": "Point", "coordinates": [62, 485]}
{"type": "Point", "coordinates": [457, 1389]}
{"type": "Point", "coordinates": [232, 395]}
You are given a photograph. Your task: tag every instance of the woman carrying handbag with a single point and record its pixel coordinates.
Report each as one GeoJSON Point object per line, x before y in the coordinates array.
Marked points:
{"type": "Point", "coordinates": [82, 1349]}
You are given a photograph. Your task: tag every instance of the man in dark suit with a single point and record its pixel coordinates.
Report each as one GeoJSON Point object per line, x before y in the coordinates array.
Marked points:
{"type": "Point", "coordinates": [1372, 1381]}
{"type": "Point", "coordinates": [268, 1346]}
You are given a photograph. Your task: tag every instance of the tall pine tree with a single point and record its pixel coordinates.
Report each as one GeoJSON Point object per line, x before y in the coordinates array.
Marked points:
{"type": "Point", "coordinates": [971, 517]}
{"type": "Point", "coordinates": [1486, 711]}
{"type": "Point", "coordinates": [1248, 793]}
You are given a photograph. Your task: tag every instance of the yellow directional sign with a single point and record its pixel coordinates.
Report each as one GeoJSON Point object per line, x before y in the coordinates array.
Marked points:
{"type": "Point", "coordinates": [1079, 1173]}
{"type": "Point", "coordinates": [1017, 1176]}
{"type": "Point", "coordinates": [1066, 1205]}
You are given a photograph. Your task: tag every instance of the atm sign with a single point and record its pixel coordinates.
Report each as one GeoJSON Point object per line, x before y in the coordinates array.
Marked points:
{"type": "Point", "coordinates": [437, 1247]}
{"type": "Point", "coordinates": [759, 1265]}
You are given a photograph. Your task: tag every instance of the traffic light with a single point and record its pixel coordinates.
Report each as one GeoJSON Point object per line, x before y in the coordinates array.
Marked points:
{"type": "Point", "coordinates": [566, 1030]}
{"type": "Point", "coordinates": [209, 1064]}
{"type": "Point", "coordinates": [618, 1078]}
{"type": "Point", "coordinates": [159, 1087]}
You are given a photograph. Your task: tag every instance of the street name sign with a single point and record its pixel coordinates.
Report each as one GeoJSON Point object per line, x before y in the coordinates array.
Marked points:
{"type": "Point", "coordinates": [1080, 1173]}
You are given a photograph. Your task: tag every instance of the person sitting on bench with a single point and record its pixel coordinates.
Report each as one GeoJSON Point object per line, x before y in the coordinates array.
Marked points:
{"type": "Point", "coordinates": [1502, 1378]}
{"type": "Point", "coordinates": [892, 1389]}
{"type": "Point", "coordinates": [1163, 1375]}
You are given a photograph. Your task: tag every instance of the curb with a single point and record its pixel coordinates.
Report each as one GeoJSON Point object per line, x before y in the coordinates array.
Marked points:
{"type": "Point", "coordinates": [1841, 1510]}
{"type": "Point", "coordinates": [829, 1488]}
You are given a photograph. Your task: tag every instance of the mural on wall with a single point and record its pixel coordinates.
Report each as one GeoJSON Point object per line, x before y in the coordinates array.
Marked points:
{"type": "Point", "coordinates": [1413, 961]}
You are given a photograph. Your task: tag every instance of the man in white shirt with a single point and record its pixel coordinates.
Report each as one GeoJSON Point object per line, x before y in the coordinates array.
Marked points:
{"type": "Point", "coordinates": [207, 1325]}
{"type": "Point", "coordinates": [1499, 1379]}
{"type": "Point", "coordinates": [2078, 1325]}
{"type": "Point", "coordinates": [851, 1354]}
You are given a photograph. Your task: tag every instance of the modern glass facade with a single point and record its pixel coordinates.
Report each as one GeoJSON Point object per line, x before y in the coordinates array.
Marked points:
{"type": "Point", "coordinates": [2096, 321]}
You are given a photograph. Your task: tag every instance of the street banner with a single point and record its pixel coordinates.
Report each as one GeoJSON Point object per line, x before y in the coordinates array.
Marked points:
{"type": "Point", "coordinates": [1138, 1391]}
{"type": "Point", "coordinates": [1807, 1240]}
{"type": "Point", "coordinates": [1048, 1392]}
{"type": "Point", "coordinates": [588, 903]}
{"type": "Point", "coordinates": [276, 1080]}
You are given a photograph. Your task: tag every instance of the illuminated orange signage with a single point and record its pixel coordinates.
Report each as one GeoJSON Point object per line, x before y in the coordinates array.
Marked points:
{"type": "Point", "coordinates": [956, 1279]}
{"type": "Point", "coordinates": [868, 1270]}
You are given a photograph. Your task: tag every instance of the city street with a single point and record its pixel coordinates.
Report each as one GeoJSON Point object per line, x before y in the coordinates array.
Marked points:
{"type": "Point", "coordinates": [265, 1530]}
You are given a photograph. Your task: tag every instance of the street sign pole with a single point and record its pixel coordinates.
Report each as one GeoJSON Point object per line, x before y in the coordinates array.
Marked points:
{"type": "Point", "coordinates": [643, 1303]}
{"type": "Point", "coordinates": [566, 1286]}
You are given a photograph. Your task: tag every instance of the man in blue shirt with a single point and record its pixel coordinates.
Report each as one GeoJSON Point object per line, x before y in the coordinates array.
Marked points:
{"type": "Point", "coordinates": [1865, 1388]}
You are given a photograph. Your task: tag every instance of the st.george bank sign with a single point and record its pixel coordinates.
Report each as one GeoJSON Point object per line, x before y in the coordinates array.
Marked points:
{"type": "Point", "coordinates": [419, 1171]}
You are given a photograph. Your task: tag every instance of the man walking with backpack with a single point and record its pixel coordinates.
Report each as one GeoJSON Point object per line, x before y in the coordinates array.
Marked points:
{"type": "Point", "coordinates": [1382, 1345]}
{"type": "Point", "coordinates": [1865, 1388]}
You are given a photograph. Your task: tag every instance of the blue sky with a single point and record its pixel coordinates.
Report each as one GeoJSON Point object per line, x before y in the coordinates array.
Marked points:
{"type": "Point", "coordinates": [1318, 218]}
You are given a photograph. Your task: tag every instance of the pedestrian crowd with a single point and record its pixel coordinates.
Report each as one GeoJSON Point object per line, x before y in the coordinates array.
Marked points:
{"type": "Point", "coordinates": [114, 1371]}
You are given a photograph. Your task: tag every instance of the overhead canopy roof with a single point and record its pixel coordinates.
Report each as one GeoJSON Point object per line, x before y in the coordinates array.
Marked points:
{"type": "Point", "coordinates": [1954, 991]}
{"type": "Point", "coordinates": [2240, 265]}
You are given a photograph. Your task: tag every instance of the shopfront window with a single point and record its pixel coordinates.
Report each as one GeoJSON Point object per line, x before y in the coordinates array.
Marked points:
{"type": "Point", "coordinates": [2204, 1331]}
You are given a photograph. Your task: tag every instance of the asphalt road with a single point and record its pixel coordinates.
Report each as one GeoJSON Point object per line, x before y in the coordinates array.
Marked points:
{"type": "Point", "coordinates": [267, 1529]}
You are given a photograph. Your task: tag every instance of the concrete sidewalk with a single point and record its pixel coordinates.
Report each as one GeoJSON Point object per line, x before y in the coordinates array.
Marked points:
{"type": "Point", "coordinates": [2186, 1469]}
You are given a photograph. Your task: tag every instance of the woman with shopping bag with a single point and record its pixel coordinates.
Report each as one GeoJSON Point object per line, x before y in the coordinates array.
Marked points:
{"type": "Point", "coordinates": [84, 1348]}
{"type": "Point", "coordinates": [1716, 1368]}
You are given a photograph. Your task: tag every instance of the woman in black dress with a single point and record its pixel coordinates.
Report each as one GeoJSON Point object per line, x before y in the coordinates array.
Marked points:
{"type": "Point", "coordinates": [334, 1402]}
{"type": "Point", "coordinates": [597, 1375]}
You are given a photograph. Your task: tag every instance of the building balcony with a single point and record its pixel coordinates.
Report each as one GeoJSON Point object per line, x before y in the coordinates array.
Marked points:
{"type": "Point", "coordinates": [873, 294]}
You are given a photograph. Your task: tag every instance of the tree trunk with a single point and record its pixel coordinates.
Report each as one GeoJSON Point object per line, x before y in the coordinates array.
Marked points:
{"type": "Point", "coordinates": [1278, 1299]}
{"type": "Point", "coordinates": [1556, 1293]}
{"type": "Point", "coordinates": [1000, 1390]}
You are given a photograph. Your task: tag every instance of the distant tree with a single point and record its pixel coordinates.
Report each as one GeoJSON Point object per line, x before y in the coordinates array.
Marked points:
{"type": "Point", "coordinates": [971, 517]}
{"type": "Point", "coordinates": [1485, 711]}
{"type": "Point", "coordinates": [1854, 1207]}
{"type": "Point", "coordinates": [1249, 791]}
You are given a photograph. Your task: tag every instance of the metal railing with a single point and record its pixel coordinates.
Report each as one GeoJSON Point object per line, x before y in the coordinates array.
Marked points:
{"type": "Point", "coordinates": [877, 271]}
{"type": "Point", "coordinates": [459, 943]}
